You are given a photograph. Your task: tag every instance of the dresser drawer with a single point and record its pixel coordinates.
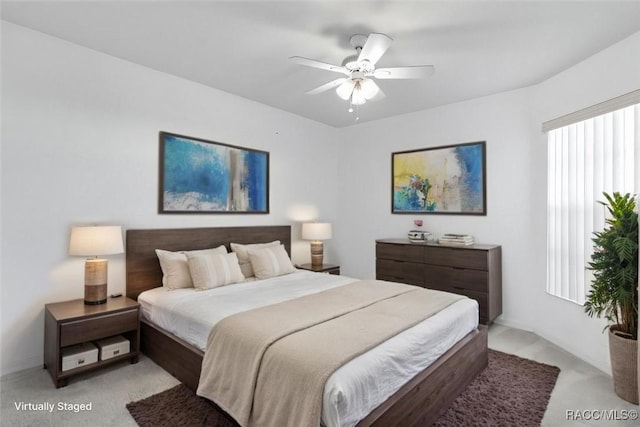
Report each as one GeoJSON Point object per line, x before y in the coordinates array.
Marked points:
{"type": "Point", "coordinates": [455, 257]}
{"type": "Point", "coordinates": [399, 271]}
{"type": "Point", "coordinates": [84, 330]}
{"type": "Point", "coordinates": [480, 297]}
{"type": "Point", "coordinates": [456, 278]}
{"type": "Point", "coordinates": [407, 253]}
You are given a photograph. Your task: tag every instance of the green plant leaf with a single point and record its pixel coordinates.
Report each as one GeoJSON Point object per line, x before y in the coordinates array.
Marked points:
{"type": "Point", "coordinates": [614, 262]}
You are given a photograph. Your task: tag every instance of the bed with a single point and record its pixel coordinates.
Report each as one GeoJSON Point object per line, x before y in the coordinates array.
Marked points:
{"type": "Point", "coordinates": [418, 402]}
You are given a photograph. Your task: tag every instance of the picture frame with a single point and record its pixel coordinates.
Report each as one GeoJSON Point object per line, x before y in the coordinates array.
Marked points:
{"type": "Point", "coordinates": [201, 176]}
{"type": "Point", "coordinates": [448, 179]}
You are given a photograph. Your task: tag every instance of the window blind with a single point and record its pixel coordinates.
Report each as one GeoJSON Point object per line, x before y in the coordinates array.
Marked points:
{"type": "Point", "coordinates": [608, 106]}
{"type": "Point", "coordinates": [585, 159]}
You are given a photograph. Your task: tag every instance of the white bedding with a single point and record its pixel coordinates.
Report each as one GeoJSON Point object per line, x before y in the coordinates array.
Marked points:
{"type": "Point", "coordinates": [355, 389]}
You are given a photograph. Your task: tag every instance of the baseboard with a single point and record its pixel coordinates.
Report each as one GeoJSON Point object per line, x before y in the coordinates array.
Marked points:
{"type": "Point", "coordinates": [511, 324]}
{"type": "Point", "coordinates": [552, 339]}
{"type": "Point", "coordinates": [21, 365]}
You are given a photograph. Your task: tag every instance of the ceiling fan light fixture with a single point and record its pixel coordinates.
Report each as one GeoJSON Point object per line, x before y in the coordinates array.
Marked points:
{"type": "Point", "coordinates": [358, 100]}
{"type": "Point", "coordinates": [345, 89]}
{"type": "Point", "coordinates": [357, 97]}
{"type": "Point", "coordinates": [357, 85]}
{"type": "Point", "coordinates": [369, 88]}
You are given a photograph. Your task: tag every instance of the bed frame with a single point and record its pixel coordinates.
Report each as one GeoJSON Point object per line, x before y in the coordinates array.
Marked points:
{"type": "Point", "coordinates": [418, 403]}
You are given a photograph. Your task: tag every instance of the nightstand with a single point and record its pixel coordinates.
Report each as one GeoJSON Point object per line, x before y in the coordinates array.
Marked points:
{"type": "Point", "coordinates": [73, 322]}
{"type": "Point", "coordinates": [324, 268]}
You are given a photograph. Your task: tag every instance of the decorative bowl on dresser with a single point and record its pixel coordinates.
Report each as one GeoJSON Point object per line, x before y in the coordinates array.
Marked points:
{"type": "Point", "coordinates": [474, 270]}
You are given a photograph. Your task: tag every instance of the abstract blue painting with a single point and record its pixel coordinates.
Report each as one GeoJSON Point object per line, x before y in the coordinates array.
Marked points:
{"type": "Point", "coordinates": [200, 176]}
{"type": "Point", "coordinates": [444, 180]}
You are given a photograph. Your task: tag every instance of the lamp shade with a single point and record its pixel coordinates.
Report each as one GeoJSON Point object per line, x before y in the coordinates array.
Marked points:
{"type": "Point", "coordinates": [369, 88]}
{"type": "Point", "coordinates": [345, 89]}
{"type": "Point", "coordinates": [316, 231]}
{"type": "Point", "coordinates": [96, 240]}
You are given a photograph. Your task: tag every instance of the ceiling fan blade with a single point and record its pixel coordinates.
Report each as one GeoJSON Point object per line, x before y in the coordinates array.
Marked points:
{"type": "Point", "coordinates": [415, 72]}
{"type": "Point", "coordinates": [327, 86]}
{"type": "Point", "coordinates": [317, 64]}
{"type": "Point", "coordinates": [375, 47]}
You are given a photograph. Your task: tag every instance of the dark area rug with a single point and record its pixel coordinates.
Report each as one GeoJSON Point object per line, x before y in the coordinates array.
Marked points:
{"type": "Point", "coordinates": [512, 391]}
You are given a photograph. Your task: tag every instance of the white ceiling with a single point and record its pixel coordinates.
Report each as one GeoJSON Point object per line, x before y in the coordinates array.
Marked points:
{"type": "Point", "coordinates": [242, 47]}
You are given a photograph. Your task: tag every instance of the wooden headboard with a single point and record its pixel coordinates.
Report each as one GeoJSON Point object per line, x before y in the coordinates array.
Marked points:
{"type": "Point", "coordinates": [143, 268]}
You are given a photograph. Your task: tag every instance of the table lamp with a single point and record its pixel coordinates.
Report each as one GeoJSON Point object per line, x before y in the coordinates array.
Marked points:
{"type": "Point", "coordinates": [95, 241]}
{"type": "Point", "coordinates": [316, 232]}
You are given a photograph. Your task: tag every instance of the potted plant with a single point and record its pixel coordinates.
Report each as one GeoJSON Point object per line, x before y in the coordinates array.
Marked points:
{"type": "Point", "coordinates": [614, 290]}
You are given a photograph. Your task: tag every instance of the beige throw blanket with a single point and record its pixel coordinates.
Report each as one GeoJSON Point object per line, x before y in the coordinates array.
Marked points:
{"type": "Point", "coordinates": [268, 366]}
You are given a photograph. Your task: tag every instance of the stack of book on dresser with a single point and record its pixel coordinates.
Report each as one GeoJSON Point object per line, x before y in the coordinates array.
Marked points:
{"type": "Point", "coordinates": [456, 240]}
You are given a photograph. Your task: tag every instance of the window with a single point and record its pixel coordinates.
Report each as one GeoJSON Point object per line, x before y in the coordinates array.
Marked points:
{"type": "Point", "coordinates": [585, 159]}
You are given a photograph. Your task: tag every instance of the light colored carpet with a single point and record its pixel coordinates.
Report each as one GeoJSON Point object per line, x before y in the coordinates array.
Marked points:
{"type": "Point", "coordinates": [108, 390]}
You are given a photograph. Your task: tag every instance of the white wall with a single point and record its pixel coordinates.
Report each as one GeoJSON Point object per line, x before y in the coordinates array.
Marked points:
{"type": "Point", "coordinates": [612, 72]}
{"type": "Point", "coordinates": [365, 210]}
{"type": "Point", "coordinates": [80, 146]}
{"type": "Point", "coordinates": [516, 188]}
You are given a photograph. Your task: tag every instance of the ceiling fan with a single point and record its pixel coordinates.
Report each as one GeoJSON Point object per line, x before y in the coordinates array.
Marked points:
{"type": "Point", "coordinates": [360, 69]}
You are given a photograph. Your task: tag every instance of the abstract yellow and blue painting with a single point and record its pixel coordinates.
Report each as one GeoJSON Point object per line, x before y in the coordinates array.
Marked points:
{"type": "Point", "coordinates": [446, 180]}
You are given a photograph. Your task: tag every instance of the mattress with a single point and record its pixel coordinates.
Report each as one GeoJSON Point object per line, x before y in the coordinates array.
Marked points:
{"type": "Point", "coordinates": [355, 389]}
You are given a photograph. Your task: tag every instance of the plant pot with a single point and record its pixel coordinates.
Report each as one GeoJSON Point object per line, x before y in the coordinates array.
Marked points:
{"type": "Point", "coordinates": [624, 365]}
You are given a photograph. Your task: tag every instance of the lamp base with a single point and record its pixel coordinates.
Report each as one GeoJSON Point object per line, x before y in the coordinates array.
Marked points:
{"type": "Point", "coordinates": [94, 295]}
{"type": "Point", "coordinates": [317, 252]}
{"type": "Point", "coordinates": [95, 281]}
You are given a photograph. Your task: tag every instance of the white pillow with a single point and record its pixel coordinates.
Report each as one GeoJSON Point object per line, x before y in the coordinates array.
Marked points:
{"type": "Point", "coordinates": [211, 270]}
{"type": "Point", "coordinates": [243, 255]}
{"type": "Point", "coordinates": [175, 270]}
{"type": "Point", "coordinates": [270, 261]}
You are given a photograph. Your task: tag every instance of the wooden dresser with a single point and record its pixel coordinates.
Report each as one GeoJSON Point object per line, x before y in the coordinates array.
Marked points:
{"type": "Point", "coordinates": [474, 271]}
